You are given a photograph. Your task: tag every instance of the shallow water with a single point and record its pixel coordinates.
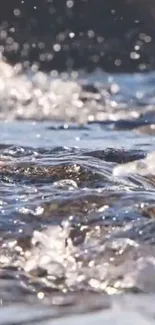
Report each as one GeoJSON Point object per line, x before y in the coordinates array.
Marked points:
{"type": "Point", "coordinates": [77, 204]}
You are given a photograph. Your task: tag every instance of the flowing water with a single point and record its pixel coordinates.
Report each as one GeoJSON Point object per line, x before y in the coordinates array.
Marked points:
{"type": "Point", "coordinates": [77, 197]}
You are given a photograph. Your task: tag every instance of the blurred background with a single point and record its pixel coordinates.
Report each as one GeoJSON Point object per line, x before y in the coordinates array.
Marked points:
{"type": "Point", "coordinates": [115, 35]}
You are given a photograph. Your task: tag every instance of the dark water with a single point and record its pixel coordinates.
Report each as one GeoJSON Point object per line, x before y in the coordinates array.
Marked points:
{"type": "Point", "coordinates": [77, 197]}
{"type": "Point", "coordinates": [115, 35]}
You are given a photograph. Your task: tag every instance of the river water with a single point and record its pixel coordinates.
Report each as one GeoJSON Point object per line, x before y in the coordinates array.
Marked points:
{"type": "Point", "coordinates": [77, 197]}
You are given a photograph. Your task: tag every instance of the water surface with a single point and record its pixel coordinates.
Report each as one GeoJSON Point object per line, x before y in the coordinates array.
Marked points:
{"type": "Point", "coordinates": [77, 205]}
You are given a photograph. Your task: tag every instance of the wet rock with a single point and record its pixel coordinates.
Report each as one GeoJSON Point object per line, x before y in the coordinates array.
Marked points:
{"type": "Point", "coordinates": [117, 155]}
{"type": "Point", "coordinates": [79, 174]}
{"type": "Point", "coordinates": [82, 206]}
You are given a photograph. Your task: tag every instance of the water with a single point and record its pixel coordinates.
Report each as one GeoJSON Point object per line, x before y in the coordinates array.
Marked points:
{"type": "Point", "coordinates": [77, 208]}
